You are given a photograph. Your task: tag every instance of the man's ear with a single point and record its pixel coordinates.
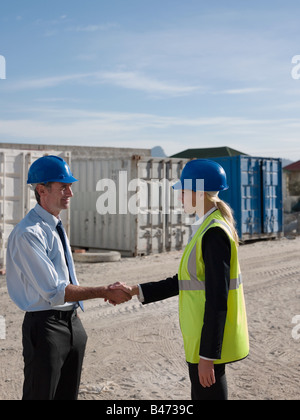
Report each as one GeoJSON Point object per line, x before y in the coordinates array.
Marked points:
{"type": "Point", "coordinates": [41, 189]}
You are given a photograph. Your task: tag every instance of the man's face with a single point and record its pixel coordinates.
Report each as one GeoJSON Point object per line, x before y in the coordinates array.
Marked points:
{"type": "Point", "coordinates": [56, 197]}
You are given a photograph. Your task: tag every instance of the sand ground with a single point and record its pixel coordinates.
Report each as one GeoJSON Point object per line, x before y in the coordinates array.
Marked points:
{"type": "Point", "coordinates": [135, 352]}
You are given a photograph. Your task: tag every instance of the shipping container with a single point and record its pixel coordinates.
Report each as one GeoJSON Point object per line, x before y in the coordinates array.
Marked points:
{"type": "Point", "coordinates": [128, 205]}
{"type": "Point", "coordinates": [16, 197]}
{"type": "Point", "coordinates": [255, 195]}
{"type": "Point", "coordinates": [81, 152]}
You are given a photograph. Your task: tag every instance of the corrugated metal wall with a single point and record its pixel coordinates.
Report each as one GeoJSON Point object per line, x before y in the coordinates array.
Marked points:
{"type": "Point", "coordinates": [255, 195]}
{"type": "Point", "coordinates": [16, 198]}
{"type": "Point", "coordinates": [149, 231]}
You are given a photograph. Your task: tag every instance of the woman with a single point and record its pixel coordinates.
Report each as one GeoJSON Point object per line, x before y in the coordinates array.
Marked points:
{"type": "Point", "coordinates": [211, 301]}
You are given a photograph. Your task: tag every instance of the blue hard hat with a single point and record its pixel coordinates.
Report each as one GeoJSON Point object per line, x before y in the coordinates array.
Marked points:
{"type": "Point", "coordinates": [50, 169]}
{"type": "Point", "coordinates": [198, 171]}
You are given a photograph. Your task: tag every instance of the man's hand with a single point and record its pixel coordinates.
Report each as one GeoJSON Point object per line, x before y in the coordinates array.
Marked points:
{"type": "Point", "coordinates": [206, 372]}
{"type": "Point", "coordinates": [122, 288]}
{"type": "Point", "coordinates": [116, 296]}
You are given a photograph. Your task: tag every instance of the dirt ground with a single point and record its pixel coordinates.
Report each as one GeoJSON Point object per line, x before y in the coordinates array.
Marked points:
{"type": "Point", "coordinates": [135, 352]}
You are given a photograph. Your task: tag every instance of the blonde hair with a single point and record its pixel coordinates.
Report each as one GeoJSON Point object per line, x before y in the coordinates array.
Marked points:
{"type": "Point", "coordinates": [226, 212]}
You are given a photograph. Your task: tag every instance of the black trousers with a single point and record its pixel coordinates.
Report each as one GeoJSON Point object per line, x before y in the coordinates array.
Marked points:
{"type": "Point", "coordinates": [218, 391]}
{"type": "Point", "coordinates": [53, 349]}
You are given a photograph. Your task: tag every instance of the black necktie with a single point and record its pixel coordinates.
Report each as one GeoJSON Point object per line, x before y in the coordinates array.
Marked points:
{"type": "Point", "coordinates": [61, 231]}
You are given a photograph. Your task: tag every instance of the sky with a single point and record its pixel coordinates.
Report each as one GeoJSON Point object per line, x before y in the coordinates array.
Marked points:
{"type": "Point", "coordinates": [144, 73]}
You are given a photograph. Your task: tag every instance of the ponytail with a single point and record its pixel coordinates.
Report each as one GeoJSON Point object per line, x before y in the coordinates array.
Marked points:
{"type": "Point", "coordinates": [226, 212]}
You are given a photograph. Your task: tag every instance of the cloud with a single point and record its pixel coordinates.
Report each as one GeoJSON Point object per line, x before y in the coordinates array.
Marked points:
{"type": "Point", "coordinates": [93, 27]}
{"type": "Point", "coordinates": [126, 80]}
{"type": "Point", "coordinates": [197, 51]}
{"type": "Point", "coordinates": [138, 81]}
{"type": "Point", "coordinates": [243, 91]}
{"type": "Point", "coordinates": [46, 82]}
{"type": "Point", "coordinates": [267, 137]}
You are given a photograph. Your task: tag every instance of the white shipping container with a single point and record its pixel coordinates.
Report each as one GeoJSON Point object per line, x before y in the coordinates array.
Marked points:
{"type": "Point", "coordinates": [143, 215]}
{"type": "Point", "coordinates": [16, 197]}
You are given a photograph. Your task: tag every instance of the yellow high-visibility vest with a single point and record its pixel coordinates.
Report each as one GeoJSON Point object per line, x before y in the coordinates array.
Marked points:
{"type": "Point", "coordinates": [192, 298]}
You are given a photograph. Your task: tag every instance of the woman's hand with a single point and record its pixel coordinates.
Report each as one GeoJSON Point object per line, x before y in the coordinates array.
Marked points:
{"type": "Point", "coordinates": [131, 290]}
{"type": "Point", "coordinates": [206, 372]}
{"type": "Point", "coordinates": [122, 287]}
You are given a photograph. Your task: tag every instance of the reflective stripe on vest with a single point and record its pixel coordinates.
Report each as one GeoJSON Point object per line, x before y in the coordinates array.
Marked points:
{"type": "Point", "coordinates": [195, 284]}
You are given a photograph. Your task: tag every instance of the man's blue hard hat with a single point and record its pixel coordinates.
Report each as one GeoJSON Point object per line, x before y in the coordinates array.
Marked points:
{"type": "Point", "coordinates": [199, 170]}
{"type": "Point", "coordinates": [50, 169]}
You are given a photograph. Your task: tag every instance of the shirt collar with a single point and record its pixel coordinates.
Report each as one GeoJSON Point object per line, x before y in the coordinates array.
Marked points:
{"type": "Point", "coordinates": [199, 221]}
{"type": "Point", "coordinates": [46, 216]}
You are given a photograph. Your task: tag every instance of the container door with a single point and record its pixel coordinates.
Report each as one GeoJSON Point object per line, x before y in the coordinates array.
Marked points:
{"type": "Point", "coordinates": [272, 196]}
{"type": "Point", "coordinates": [150, 218]}
{"type": "Point", "coordinates": [16, 198]}
{"type": "Point", "coordinates": [251, 196]}
{"type": "Point", "coordinates": [161, 224]}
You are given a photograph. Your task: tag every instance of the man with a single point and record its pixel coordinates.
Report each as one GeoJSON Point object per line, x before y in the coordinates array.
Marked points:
{"type": "Point", "coordinates": [41, 280]}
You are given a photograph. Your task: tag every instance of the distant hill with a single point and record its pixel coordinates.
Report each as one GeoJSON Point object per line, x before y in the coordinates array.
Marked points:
{"type": "Point", "coordinates": [286, 162]}
{"type": "Point", "coordinates": [158, 152]}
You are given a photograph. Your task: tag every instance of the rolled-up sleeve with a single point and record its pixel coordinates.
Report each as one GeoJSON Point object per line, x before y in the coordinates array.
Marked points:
{"type": "Point", "coordinates": [40, 277]}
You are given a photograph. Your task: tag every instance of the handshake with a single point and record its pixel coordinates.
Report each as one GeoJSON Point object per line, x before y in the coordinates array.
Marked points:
{"type": "Point", "coordinates": [118, 293]}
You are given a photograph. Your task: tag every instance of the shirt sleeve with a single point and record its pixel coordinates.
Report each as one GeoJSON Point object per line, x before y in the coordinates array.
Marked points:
{"type": "Point", "coordinates": [216, 251]}
{"type": "Point", "coordinates": [31, 260]}
{"type": "Point", "coordinates": [141, 295]}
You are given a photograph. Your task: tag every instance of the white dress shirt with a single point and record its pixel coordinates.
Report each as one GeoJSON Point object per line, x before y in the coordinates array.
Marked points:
{"type": "Point", "coordinates": [37, 273]}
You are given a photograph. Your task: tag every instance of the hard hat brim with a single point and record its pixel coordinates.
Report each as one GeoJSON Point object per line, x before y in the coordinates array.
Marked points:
{"type": "Point", "coordinates": [65, 180]}
{"type": "Point", "coordinates": [177, 186]}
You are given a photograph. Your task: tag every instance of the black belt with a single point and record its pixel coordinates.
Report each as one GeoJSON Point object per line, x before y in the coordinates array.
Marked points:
{"type": "Point", "coordinates": [59, 315]}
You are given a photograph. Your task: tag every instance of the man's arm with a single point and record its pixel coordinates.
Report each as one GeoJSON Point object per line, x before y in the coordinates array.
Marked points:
{"type": "Point", "coordinates": [75, 293]}
{"type": "Point", "coordinates": [30, 257]}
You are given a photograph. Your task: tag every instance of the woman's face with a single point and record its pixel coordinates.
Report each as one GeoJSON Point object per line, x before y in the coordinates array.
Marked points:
{"type": "Point", "coordinates": [193, 202]}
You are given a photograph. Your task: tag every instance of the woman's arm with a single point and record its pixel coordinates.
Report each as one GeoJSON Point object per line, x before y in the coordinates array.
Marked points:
{"type": "Point", "coordinates": [216, 250]}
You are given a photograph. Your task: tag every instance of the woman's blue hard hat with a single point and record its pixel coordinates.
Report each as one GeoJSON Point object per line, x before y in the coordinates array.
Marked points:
{"type": "Point", "coordinates": [202, 175]}
{"type": "Point", "coordinates": [50, 169]}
